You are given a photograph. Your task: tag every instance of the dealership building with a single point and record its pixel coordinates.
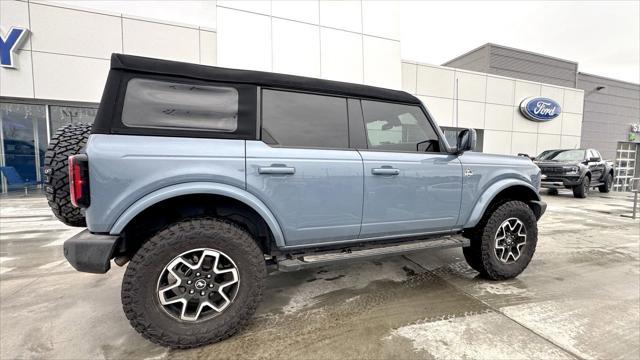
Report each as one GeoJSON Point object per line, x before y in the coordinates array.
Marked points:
{"type": "Point", "coordinates": [55, 59]}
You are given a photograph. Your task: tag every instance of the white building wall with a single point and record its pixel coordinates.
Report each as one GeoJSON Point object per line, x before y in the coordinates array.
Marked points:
{"type": "Point", "coordinates": [355, 41]}
{"type": "Point", "coordinates": [492, 103]}
{"type": "Point", "coordinates": [66, 56]}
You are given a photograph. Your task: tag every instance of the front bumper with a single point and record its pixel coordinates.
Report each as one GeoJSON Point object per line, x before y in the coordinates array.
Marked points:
{"type": "Point", "coordinates": [89, 252]}
{"type": "Point", "coordinates": [538, 207]}
{"type": "Point", "coordinates": [559, 182]}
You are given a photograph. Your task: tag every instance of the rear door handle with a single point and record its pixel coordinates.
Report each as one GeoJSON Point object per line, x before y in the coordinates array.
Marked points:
{"type": "Point", "coordinates": [279, 170]}
{"type": "Point", "coordinates": [385, 171]}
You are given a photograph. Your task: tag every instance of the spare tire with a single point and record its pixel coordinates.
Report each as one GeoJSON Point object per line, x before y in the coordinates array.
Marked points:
{"type": "Point", "coordinates": [67, 141]}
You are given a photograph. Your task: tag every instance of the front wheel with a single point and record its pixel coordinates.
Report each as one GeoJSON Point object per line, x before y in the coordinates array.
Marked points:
{"type": "Point", "coordinates": [196, 282]}
{"type": "Point", "coordinates": [606, 187]}
{"type": "Point", "coordinates": [581, 190]}
{"type": "Point", "coordinates": [505, 241]}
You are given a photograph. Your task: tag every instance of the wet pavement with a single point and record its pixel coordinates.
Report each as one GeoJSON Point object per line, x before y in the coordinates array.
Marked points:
{"type": "Point", "coordinates": [579, 298]}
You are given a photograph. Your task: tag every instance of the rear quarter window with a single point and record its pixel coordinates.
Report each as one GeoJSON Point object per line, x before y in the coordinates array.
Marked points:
{"type": "Point", "coordinates": [171, 105]}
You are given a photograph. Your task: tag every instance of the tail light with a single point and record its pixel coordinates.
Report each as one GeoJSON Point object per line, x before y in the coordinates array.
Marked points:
{"type": "Point", "coordinates": [79, 180]}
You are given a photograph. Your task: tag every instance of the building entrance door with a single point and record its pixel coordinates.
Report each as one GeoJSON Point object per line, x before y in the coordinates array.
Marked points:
{"type": "Point", "coordinates": [23, 135]}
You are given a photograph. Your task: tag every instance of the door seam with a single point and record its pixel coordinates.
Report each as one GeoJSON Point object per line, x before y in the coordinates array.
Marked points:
{"type": "Point", "coordinates": [363, 194]}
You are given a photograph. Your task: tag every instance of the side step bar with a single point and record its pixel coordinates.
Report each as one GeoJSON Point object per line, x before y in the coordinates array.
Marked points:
{"type": "Point", "coordinates": [348, 255]}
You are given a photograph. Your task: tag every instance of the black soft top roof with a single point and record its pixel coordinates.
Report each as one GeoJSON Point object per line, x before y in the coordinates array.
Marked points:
{"type": "Point", "coordinates": [213, 73]}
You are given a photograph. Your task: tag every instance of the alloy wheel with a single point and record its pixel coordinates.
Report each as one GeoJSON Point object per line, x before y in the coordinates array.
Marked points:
{"type": "Point", "coordinates": [510, 238]}
{"type": "Point", "coordinates": [198, 284]}
{"type": "Point", "coordinates": [587, 183]}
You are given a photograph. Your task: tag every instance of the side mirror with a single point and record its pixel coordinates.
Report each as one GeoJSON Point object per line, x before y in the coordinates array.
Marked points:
{"type": "Point", "coordinates": [466, 141]}
{"type": "Point", "coordinates": [526, 155]}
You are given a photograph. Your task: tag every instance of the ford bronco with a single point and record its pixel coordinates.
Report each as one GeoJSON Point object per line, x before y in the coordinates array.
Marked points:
{"type": "Point", "coordinates": [203, 178]}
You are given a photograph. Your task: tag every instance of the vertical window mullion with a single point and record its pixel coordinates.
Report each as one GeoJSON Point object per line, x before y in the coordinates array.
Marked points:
{"type": "Point", "coordinates": [47, 114]}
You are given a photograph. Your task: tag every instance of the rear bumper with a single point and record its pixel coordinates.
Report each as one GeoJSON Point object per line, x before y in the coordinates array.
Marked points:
{"type": "Point", "coordinates": [89, 252]}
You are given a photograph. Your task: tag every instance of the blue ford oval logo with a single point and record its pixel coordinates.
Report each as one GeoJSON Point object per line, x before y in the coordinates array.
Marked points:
{"type": "Point", "coordinates": [539, 109]}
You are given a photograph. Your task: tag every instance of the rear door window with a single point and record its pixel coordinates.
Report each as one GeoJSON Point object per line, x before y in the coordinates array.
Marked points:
{"type": "Point", "coordinates": [170, 105]}
{"type": "Point", "coordinates": [294, 119]}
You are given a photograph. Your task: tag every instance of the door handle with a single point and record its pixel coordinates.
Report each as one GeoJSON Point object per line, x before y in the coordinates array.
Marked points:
{"type": "Point", "coordinates": [385, 171]}
{"type": "Point", "coordinates": [279, 170]}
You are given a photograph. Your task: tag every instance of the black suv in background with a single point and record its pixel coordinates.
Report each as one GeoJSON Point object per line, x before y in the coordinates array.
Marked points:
{"type": "Point", "coordinates": [576, 169]}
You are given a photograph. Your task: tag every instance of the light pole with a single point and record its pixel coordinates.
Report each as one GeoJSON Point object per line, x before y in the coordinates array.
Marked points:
{"type": "Point", "coordinates": [594, 90]}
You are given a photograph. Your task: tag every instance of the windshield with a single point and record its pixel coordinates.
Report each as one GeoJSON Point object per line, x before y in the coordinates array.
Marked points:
{"type": "Point", "coordinates": [562, 155]}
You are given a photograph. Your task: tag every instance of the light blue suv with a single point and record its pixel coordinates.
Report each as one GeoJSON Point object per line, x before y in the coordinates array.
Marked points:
{"type": "Point", "coordinates": [201, 178]}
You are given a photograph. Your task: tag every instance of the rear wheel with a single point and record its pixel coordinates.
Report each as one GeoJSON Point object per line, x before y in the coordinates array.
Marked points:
{"type": "Point", "coordinates": [581, 190]}
{"type": "Point", "coordinates": [504, 242]}
{"type": "Point", "coordinates": [196, 282]}
{"type": "Point", "coordinates": [67, 141]}
{"type": "Point", "coordinates": [608, 181]}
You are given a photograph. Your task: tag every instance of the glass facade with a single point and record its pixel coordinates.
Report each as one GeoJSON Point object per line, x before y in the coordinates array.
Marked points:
{"type": "Point", "coordinates": [25, 131]}
{"type": "Point", "coordinates": [62, 115]}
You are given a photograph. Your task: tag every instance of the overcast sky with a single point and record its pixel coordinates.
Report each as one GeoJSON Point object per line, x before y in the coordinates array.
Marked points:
{"type": "Point", "coordinates": [602, 36]}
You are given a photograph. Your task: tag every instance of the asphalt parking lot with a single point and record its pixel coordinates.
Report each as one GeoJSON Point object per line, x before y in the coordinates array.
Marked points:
{"type": "Point", "coordinates": [579, 298]}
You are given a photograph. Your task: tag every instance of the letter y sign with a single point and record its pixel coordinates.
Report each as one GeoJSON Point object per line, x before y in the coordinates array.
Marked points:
{"type": "Point", "coordinates": [9, 45]}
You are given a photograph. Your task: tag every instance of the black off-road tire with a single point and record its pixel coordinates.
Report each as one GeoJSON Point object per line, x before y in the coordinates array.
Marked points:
{"type": "Point", "coordinates": [481, 255]}
{"type": "Point", "coordinates": [581, 191]}
{"type": "Point", "coordinates": [140, 300]}
{"type": "Point", "coordinates": [67, 141]}
{"type": "Point", "coordinates": [608, 181]}
{"type": "Point", "coordinates": [472, 254]}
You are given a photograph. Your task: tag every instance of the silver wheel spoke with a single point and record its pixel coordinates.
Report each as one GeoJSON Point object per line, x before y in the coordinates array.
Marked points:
{"type": "Point", "coordinates": [505, 255]}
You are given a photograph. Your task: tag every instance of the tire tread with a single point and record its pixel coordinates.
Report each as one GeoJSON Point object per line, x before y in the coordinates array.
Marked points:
{"type": "Point", "coordinates": [67, 141]}
{"type": "Point", "coordinates": [479, 254]}
{"type": "Point", "coordinates": [171, 236]}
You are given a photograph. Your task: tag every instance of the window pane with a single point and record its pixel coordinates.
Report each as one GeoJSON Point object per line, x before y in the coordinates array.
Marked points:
{"type": "Point", "coordinates": [304, 120]}
{"type": "Point", "coordinates": [64, 115]}
{"type": "Point", "coordinates": [398, 127]}
{"type": "Point", "coordinates": [168, 105]}
{"type": "Point", "coordinates": [23, 158]}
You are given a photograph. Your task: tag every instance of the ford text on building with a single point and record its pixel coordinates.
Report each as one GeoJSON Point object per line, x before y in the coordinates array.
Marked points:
{"type": "Point", "coordinates": [540, 109]}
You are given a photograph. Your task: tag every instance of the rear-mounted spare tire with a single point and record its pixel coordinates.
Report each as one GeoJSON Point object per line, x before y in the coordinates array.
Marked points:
{"type": "Point", "coordinates": [67, 141]}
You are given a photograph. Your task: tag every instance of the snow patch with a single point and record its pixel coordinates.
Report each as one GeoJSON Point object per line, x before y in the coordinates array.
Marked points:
{"type": "Point", "coordinates": [483, 336]}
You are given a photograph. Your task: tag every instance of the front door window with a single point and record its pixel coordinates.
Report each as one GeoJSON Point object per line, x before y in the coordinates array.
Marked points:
{"type": "Point", "coordinates": [398, 127]}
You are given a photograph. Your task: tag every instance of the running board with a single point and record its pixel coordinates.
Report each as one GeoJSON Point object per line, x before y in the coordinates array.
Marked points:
{"type": "Point", "coordinates": [348, 255]}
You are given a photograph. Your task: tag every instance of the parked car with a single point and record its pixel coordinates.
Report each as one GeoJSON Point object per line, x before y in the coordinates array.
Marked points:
{"type": "Point", "coordinates": [575, 169]}
{"type": "Point", "coordinates": [201, 177]}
